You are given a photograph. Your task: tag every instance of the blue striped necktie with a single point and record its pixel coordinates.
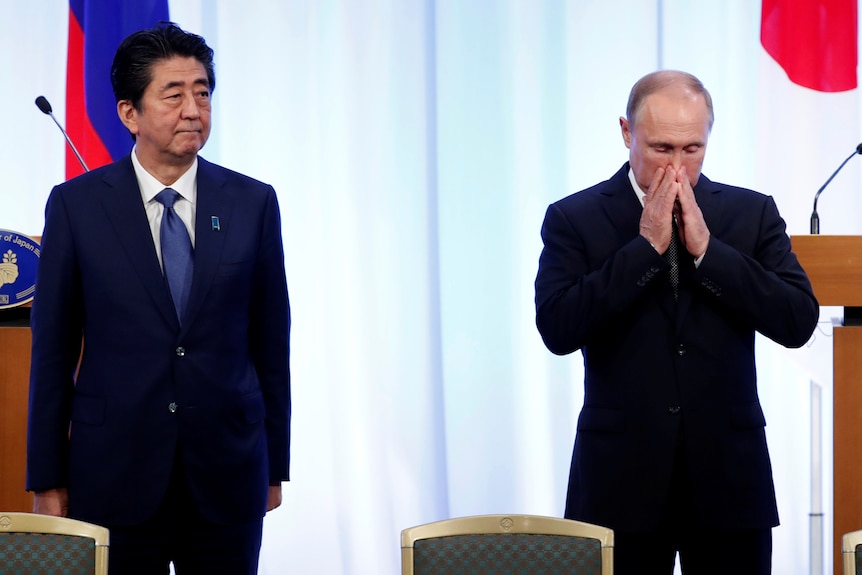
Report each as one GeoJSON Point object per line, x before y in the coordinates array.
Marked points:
{"type": "Point", "coordinates": [177, 251]}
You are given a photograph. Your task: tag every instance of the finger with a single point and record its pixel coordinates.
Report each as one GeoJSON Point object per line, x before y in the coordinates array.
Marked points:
{"type": "Point", "coordinates": [662, 194]}
{"type": "Point", "coordinates": [668, 179]}
{"type": "Point", "coordinates": [682, 178]}
{"type": "Point", "coordinates": [669, 189]}
{"type": "Point", "coordinates": [656, 181]}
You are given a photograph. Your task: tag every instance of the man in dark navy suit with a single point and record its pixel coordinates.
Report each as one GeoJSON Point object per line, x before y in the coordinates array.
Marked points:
{"type": "Point", "coordinates": [174, 430]}
{"type": "Point", "coordinates": [661, 278]}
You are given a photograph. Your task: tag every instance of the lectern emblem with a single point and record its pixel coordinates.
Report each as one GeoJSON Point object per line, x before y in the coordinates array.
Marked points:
{"type": "Point", "coordinates": [9, 268]}
{"type": "Point", "coordinates": [19, 257]}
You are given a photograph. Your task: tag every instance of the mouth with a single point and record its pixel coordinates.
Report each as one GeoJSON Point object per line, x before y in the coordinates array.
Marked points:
{"type": "Point", "coordinates": [190, 130]}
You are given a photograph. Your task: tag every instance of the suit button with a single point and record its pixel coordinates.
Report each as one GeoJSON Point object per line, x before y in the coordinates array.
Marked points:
{"type": "Point", "coordinates": [180, 351]}
{"type": "Point", "coordinates": [674, 409]}
{"type": "Point", "coordinates": [172, 407]}
{"type": "Point", "coordinates": [680, 349]}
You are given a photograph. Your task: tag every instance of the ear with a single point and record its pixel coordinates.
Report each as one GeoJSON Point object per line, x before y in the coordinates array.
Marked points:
{"type": "Point", "coordinates": [128, 116]}
{"type": "Point", "coordinates": [625, 127]}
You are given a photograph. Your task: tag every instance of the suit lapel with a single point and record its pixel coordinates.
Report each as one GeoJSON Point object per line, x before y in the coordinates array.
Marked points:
{"type": "Point", "coordinates": [622, 206]}
{"type": "Point", "coordinates": [709, 198]}
{"type": "Point", "coordinates": [125, 211]}
{"type": "Point", "coordinates": [214, 201]}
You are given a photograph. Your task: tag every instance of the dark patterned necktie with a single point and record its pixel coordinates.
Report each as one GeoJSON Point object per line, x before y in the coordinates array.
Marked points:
{"type": "Point", "coordinates": [672, 257]}
{"type": "Point", "coordinates": [177, 252]}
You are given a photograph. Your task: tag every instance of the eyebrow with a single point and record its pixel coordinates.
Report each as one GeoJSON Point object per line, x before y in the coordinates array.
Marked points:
{"type": "Point", "coordinates": [180, 83]}
{"type": "Point", "coordinates": [663, 144]}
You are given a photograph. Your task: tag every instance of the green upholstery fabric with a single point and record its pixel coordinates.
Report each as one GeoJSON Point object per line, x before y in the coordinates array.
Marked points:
{"type": "Point", "coordinates": [507, 554]}
{"type": "Point", "coordinates": [44, 554]}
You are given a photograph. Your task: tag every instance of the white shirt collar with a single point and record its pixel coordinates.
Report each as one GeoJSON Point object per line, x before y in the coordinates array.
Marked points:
{"type": "Point", "coordinates": [185, 186]}
{"type": "Point", "coordinates": [640, 193]}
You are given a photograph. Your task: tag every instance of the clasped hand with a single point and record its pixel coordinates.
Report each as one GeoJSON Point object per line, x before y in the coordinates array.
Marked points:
{"type": "Point", "coordinates": [670, 196]}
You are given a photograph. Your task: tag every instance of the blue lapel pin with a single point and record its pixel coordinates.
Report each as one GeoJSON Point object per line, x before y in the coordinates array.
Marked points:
{"type": "Point", "coordinates": [216, 225]}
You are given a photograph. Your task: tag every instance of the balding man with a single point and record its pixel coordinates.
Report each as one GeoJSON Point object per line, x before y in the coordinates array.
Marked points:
{"type": "Point", "coordinates": [661, 278]}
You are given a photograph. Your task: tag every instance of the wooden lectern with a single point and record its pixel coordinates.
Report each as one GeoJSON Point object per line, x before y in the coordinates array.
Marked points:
{"type": "Point", "coordinates": [834, 266]}
{"type": "Point", "coordinates": [14, 389]}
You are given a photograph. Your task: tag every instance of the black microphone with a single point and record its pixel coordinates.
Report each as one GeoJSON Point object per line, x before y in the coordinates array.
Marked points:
{"type": "Point", "coordinates": [45, 106]}
{"type": "Point", "coordinates": [815, 219]}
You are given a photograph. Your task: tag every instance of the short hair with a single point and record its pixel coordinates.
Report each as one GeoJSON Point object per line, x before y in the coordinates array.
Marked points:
{"type": "Point", "coordinates": [132, 70]}
{"type": "Point", "coordinates": [657, 81]}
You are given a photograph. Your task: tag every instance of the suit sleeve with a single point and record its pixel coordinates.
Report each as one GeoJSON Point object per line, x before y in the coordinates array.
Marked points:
{"type": "Point", "coordinates": [767, 288]}
{"type": "Point", "coordinates": [585, 283]}
{"type": "Point", "coordinates": [56, 324]}
{"type": "Point", "coordinates": [270, 340]}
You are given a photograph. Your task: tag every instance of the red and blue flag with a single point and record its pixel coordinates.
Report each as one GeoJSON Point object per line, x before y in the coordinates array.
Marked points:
{"type": "Point", "coordinates": [96, 28]}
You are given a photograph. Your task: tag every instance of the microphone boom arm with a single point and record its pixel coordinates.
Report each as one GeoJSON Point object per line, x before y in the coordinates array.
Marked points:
{"type": "Point", "coordinates": [43, 105]}
{"type": "Point", "coordinates": [71, 145]}
{"type": "Point", "coordinates": [815, 219]}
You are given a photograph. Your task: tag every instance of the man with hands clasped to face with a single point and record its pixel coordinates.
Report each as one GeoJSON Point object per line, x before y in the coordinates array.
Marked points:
{"type": "Point", "coordinates": [670, 144]}
{"type": "Point", "coordinates": [670, 450]}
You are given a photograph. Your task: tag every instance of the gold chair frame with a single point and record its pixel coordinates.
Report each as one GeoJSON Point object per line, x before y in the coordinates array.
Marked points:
{"type": "Point", "coordinates": [48, 524]}
{"type": "Point", "coordinates": [848, 551]}
{"type": "Point", "coordinates": [491, 524]}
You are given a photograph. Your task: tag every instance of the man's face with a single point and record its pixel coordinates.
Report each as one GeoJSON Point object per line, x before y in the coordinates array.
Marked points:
{"type": "Point", "coordinates": [670, 129]}
{"type": "Point", "coordinates": [173, 123]}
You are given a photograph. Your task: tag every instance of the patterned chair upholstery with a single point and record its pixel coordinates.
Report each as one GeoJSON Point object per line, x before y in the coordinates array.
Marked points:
{"type": "Point", "coordinates": [851, 553]}
{"type": "Point", "coordinates": [507, 544]}
{"type": "Point", "coordinates": [44, 545]}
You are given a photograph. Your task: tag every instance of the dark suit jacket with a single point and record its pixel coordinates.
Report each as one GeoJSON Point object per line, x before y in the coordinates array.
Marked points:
{"type": "Point", "coordinates": [666, 379]}
{"type": "Point", "coordinates": [214, 392]}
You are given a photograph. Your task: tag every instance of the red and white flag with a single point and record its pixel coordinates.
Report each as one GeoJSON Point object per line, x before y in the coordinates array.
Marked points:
{"type": "Point", "coordinates": [814, 41]}
{"type": "Point", "coordinates": [808, 112]}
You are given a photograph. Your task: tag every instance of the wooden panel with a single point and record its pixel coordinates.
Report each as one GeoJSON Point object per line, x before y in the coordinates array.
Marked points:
{"type": "Point", "coordinates": [14, 388]}
{"type": "Point", "coordinates": [834, 266]}
{"type": "Point", "coordinates": [847, 446]}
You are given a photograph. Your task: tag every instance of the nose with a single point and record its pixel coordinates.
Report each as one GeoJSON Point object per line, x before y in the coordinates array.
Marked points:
{"type": "Point", "coordinates": [190, 109]}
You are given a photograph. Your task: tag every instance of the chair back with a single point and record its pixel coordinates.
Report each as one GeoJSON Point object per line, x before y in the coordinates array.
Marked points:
{"type": "Point", "coordinates": [47, 545]}
{"type": "Point", "coordinates": [487, 544]}
{"type": "Point", "coordinates": [851, 552]}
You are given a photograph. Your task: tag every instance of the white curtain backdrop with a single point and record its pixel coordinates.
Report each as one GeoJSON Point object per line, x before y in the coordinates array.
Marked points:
{"type": "Point", "coordinates": [415, 145]}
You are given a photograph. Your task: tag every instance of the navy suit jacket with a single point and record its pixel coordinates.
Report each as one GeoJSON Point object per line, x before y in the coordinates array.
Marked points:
{"type": "Point", "coordinates": [211, 394]}
{"type": "Point", "coordinates": [669, 381]}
